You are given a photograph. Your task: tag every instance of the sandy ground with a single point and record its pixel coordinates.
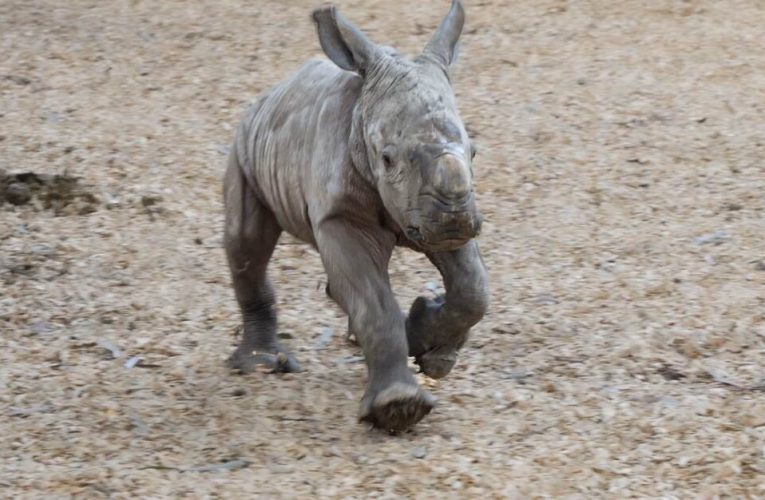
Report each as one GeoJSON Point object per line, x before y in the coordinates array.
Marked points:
{"type": "Point", "coordinates": [622, 178]}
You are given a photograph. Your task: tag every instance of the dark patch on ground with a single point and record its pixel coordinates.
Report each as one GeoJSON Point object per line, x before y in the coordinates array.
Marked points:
{"type": "Point", "coordinates": [63, 194]}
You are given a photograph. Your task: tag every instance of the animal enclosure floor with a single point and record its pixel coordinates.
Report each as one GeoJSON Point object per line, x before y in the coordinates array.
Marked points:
{"type": "Point", "coordinates": [620, 171]}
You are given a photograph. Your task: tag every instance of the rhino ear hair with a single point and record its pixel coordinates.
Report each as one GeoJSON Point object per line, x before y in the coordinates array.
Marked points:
{"type": "Point", "coordinates": [343, 43]}
{"type": "Point", "coordinates": [443, 43]}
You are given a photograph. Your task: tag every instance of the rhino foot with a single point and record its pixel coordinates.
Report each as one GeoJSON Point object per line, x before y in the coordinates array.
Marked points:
{"type": "Point", "coordinates": [437, 363]}
{"type": "Point", "coordinates": [422, 326]}
{"type": "Point", "coordinates": [432, 340]}
{"type": "Point", "coordinates": [397, 408]}
{"type": "Point", "coordinates": [262, 361]}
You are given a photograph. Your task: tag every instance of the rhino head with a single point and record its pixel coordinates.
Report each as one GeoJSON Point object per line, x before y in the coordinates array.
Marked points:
{"type": "Point", "coordinates": [407, 137]}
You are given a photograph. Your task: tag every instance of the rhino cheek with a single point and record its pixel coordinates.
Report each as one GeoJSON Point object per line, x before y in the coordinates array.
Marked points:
{"type": "Point", "coordinates": [397, 204]}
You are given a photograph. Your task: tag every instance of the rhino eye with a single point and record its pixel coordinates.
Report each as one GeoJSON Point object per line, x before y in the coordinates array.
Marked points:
{"type": "Point", "coordinates": [387, 157]}
{"type": "Point", "coordinates": [387, 160]}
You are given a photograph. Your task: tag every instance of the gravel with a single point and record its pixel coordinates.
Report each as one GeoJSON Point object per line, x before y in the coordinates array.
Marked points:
{"type": "Point", "coordinates": [619, 359]}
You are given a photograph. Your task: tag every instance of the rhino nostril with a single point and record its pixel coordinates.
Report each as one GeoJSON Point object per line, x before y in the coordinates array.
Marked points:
{"type": "Point", "coordinates": [453, 202]}
{"type": "Point", "coordinates": [453, 197]}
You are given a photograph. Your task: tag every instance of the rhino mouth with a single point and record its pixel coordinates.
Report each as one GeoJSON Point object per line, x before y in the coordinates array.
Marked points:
{"type": "Point", "coordinates": [444, 240]}
{"type": "Point", "coordinates": [439, 224]}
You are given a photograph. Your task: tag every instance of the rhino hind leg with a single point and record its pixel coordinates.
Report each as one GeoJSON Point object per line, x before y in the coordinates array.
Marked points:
{"type": "Point", "coordinates": [251, 233]}
{"type": "Point", "coordinates": [350, 337]}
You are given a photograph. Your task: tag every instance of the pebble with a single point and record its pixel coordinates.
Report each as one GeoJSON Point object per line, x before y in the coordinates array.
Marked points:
{"type": "Point", "coordinates": [719, 236]}
{"type": "Point", "coordinates": [111, 201]}
{"type": "Point", "coordinates": [18, 194]}
{"type": "Point", "coordinates": [132, 362]}
{"type": "Point", "coordinates": [324, 338]}
{"type": "Point", "coordinates": [150, 199]}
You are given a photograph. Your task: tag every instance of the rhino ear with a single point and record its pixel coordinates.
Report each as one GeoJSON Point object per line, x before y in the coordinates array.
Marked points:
{"type": "Point", "coordinates": [343, 43]}
{"type": "Point", "coordinates": [443, 43]}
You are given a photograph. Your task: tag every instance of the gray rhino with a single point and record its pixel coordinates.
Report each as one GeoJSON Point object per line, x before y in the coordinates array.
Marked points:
{"type": "Point", "coordinates": [356, 156]}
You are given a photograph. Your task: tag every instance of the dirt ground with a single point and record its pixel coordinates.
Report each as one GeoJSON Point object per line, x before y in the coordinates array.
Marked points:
{"type": "Point", "coordinates": [621, 174]}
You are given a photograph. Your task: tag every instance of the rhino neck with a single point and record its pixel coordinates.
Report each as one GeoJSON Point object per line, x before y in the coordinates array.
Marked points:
{"type": "Point", "coordinates": [358, 148]}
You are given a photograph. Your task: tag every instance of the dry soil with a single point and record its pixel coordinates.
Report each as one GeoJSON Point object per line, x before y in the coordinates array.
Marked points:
{"type": "Point", "coordinates": [622, 178]}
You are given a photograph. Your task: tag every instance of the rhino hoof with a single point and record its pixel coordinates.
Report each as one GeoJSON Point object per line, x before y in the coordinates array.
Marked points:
{"type": "Point", "coordinates": [437, 363]}
{"type": "Point", "coordinates": [263, 362]}
{"type": "Point", "coordinates": [397, 408]}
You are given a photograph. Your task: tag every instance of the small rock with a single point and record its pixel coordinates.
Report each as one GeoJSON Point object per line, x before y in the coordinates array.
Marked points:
{"type": "Point", "coordinates": [40, 327]}
{"type": "Point", "coordinates": [518, 376]}
{"type": "Point", "coordinates": [350, 360]}
{"type": "Point", "coordinates": [85, 207]}
{"type": "Point", "coordinates": [111, 201]}
{"type": "Point", "coordinates": [132, 362]}
{"type": "Point", "coordinates": [109, 346]}
{"type": "Point", "coordinates": [759, 265]}
{"type": "Point", "coordinates": [18, 194]}
{"type": "Point", "coordinates": [149, 200]}
{"type": "Point", "coordinates": [25, 412]}
{"type": "Point", "coordinates": [324, 338]}
{"type": "Point", "coordinates": [545, 299]}
{"type": "Point", "coordinates": [508, 329]}
{"type": "Point", "coordinates": [420, 452]}
{"type": "Point", "coordinates": [670, 373]}
{"type": "Point", "coordinates": [18, 80]}
{"type": "Point", "coordinates": [719, 236]}
{"type": "Point", "coordinates": [139, 425]}
{"type": "Point", "coordinates": [54, 117]}
{"type": "Point", "coordinates": [42, 250]}
{"type": "Point", "coordinates": [229, 465]}
{"type": "Point", "coordinates": [8, 303]}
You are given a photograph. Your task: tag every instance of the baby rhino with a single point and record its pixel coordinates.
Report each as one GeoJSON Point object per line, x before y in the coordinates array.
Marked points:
{"type": "Point", "coordinates": [355, 157]}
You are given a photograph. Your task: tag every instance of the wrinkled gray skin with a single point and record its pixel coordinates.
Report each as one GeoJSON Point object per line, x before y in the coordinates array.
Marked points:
{"type": "Point", "coordinates": [355, 158]}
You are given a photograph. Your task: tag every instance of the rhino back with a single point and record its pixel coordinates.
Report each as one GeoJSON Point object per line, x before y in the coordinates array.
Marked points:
{"type": "Point", "coordinates": [293, 143]}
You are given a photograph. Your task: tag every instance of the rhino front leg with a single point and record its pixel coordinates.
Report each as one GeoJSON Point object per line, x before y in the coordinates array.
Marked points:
{"type": "Point", "coordinates": [356, 261]}
{"type": "Point", "coordinates": [250, 234]}
{"type": "Point", "coordinates": [437, 328]}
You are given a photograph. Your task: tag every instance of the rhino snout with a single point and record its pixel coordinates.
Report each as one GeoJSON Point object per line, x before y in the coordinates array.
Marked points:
{"type": "Point", "coordinates": [446, 227]}
{"type": "Point", "coordinates": [461, 225]}
{"type": "Point", "coordinates": [446, 213]}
